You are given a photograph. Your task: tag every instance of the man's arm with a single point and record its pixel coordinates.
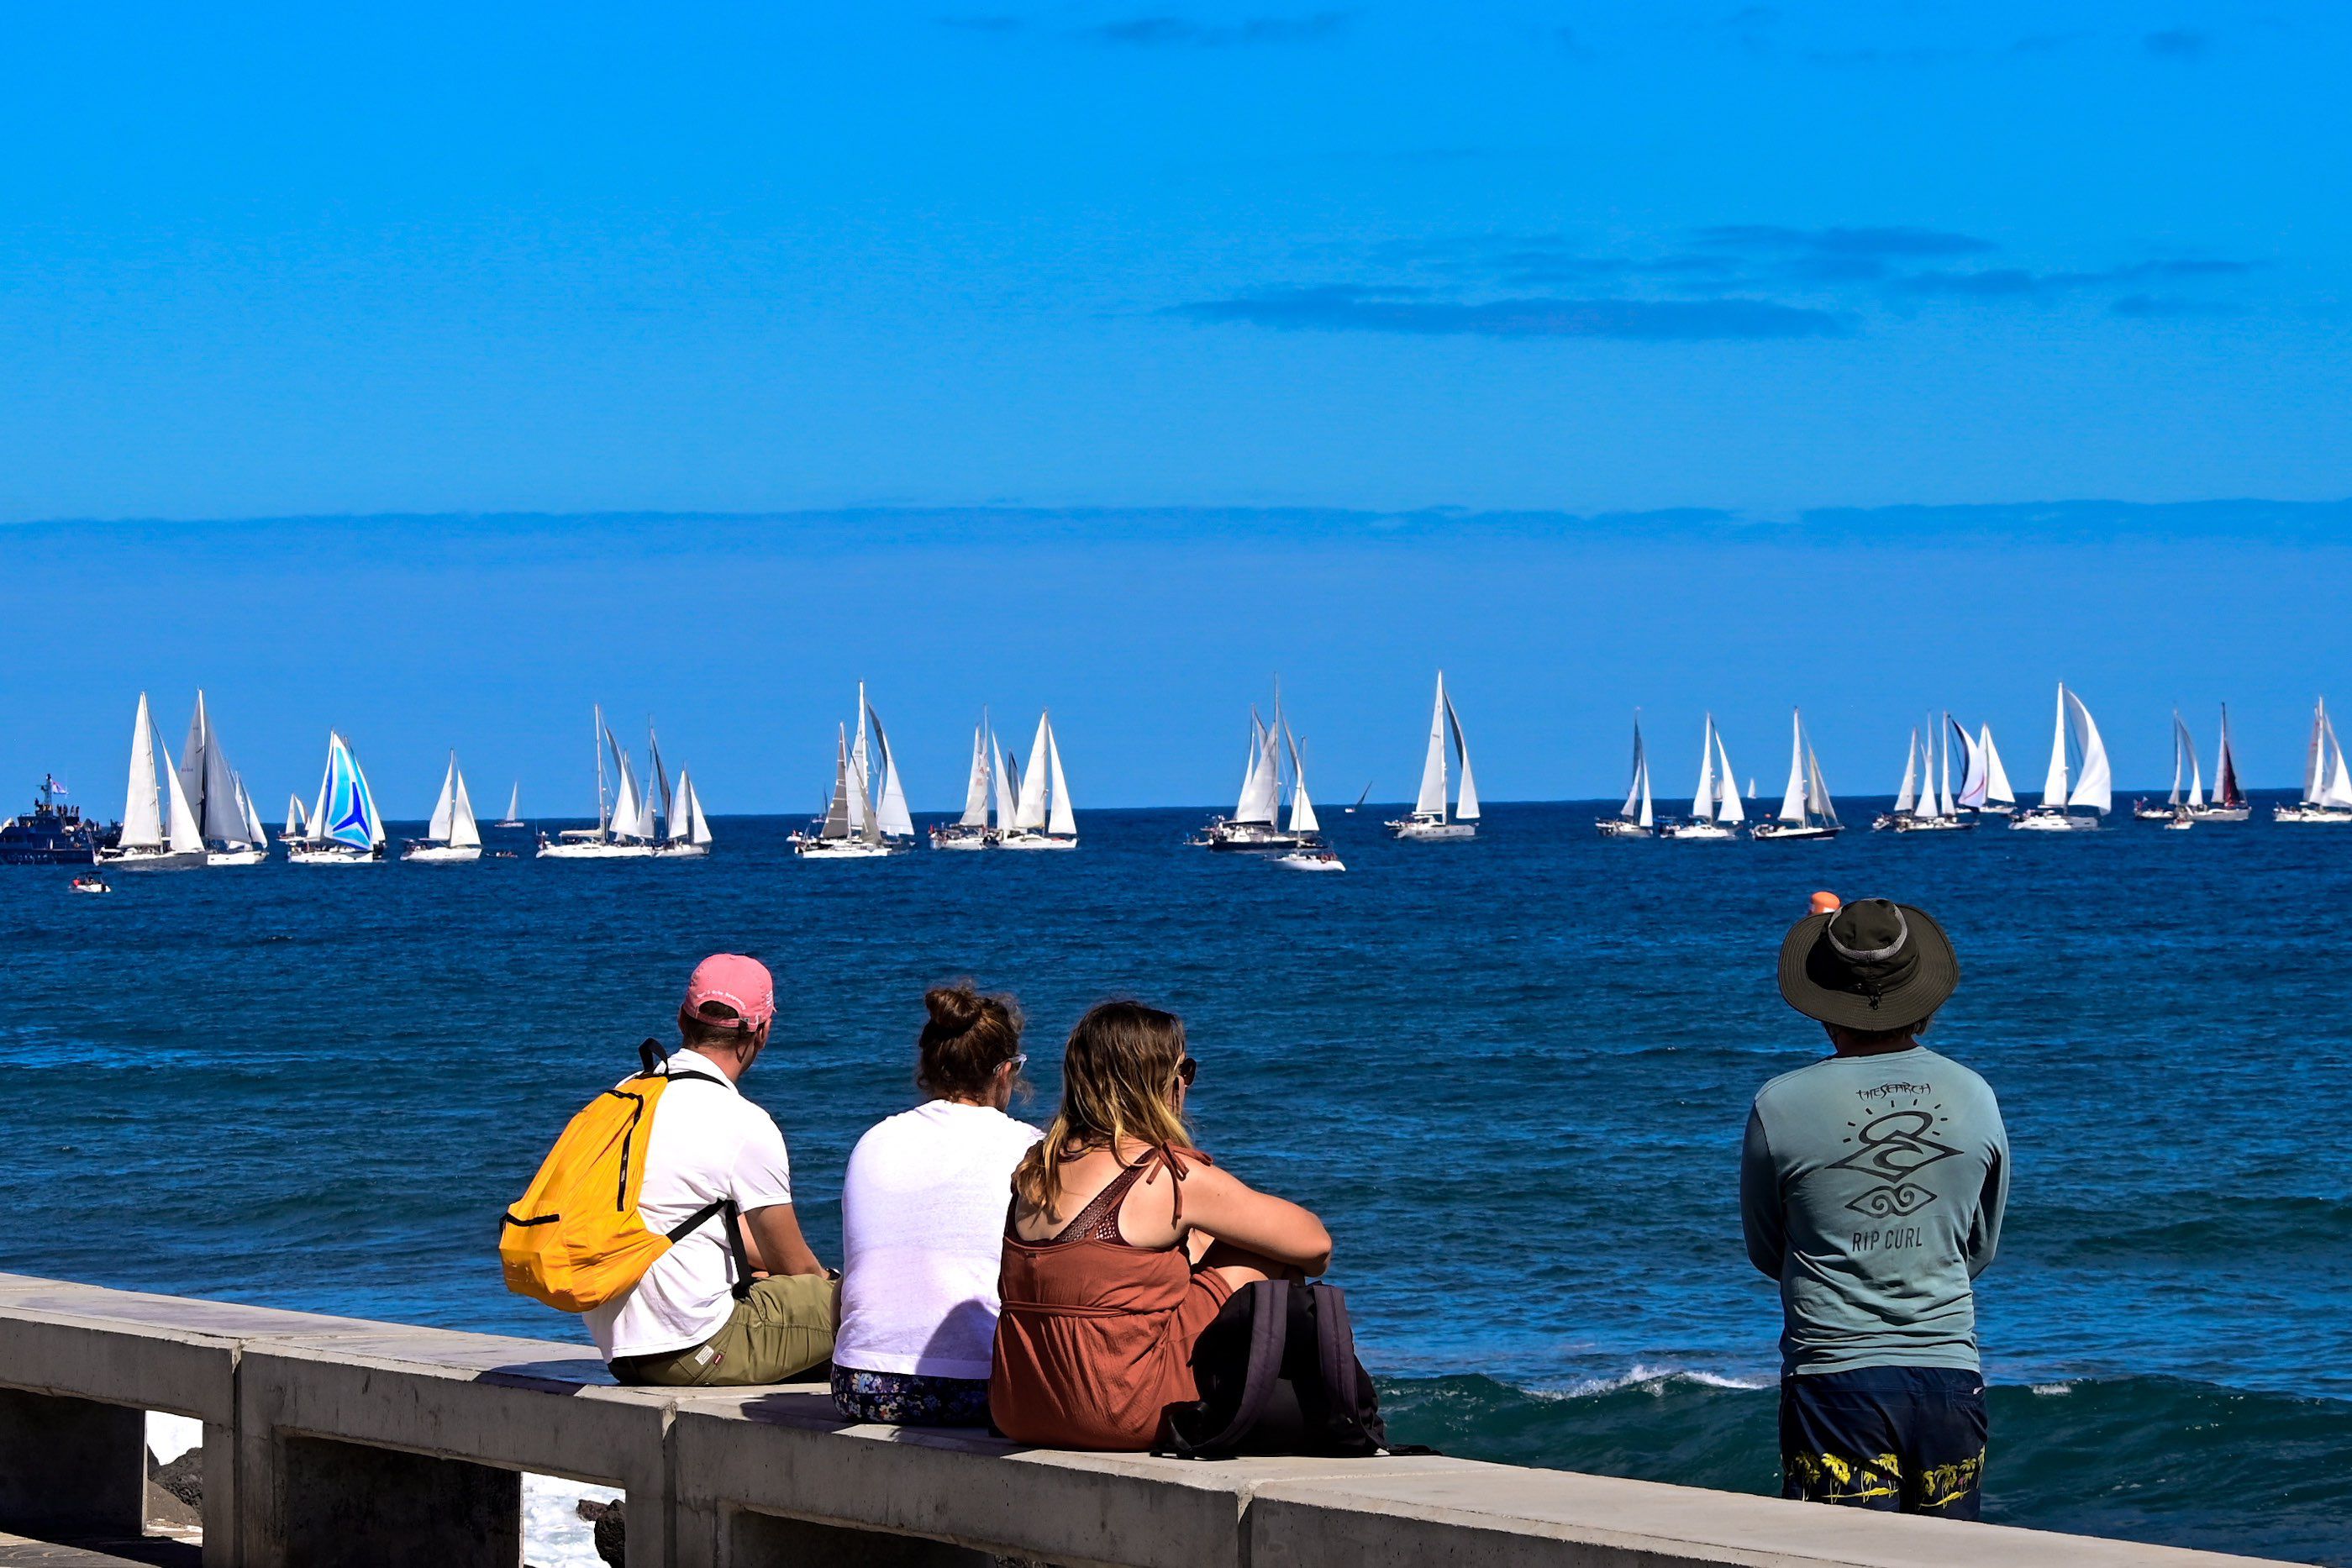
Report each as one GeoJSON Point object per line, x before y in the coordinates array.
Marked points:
{"type": "Point", "coordinates": [772, 1239]}
{"type": "Point", "coordinates": [1992, 1203]}
{"type": "Point", "coordinates": [1760, 1214]}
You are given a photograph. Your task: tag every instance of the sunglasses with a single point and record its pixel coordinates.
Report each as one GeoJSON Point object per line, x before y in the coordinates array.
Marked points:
{"type": "Point", "coordinates": [1018, 1062]}
{"type": "Point", "coordinates": [1186, 1070]}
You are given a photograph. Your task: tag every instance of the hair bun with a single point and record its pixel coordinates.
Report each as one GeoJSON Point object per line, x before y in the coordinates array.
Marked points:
{"type": "Point", "coordinates": [955, 1008]}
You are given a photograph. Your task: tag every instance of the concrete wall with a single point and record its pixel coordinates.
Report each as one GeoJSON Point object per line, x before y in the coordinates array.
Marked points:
{"type": "Point", "coordinates": [333, 1440]}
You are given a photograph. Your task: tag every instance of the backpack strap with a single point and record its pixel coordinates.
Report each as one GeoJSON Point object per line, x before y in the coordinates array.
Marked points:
{"type": "Point", "coordinates": [724, 1207]}
{"type": "Point", "coordinates": [1354, 1409]}
{"type": "Point", "coordinates": [652, 1056]}
{"type": "Point", "coordinates": [1269, 1304]}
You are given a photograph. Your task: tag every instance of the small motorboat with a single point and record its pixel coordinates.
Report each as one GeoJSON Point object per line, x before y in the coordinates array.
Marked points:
{"type": "Point", "coordinates": [1311, 860]}
{"type": "Point", "coordinates": [90, 885]}
{"type": "Point", "coordinates": [2179, 822]}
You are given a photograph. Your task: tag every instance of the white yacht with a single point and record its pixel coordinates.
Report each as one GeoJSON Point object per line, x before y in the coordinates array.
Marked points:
{"type": "Point", "coordinates": [224, 815]}
{"type": "Point", "coordinates": [346, 829]}
{"type": "Point", "coordinates": [971, 831]}
{"type": "Point", "coordinates": [452, 835]}
{"type": "Point", "coordinates": [1906, 799]}
{"type": "Point", "coordinates": [1806, 810]}
{"type": "Point", "coordinates": [1429, 819]}
{"type": "Point", "coordinates": [298, 821]}
{"type": "Point", "coordinates": [2083, 782]}
{"type": "Point", "coordinates": [1043, 819]}
{"type": "Point", "coordinates": [1312, 854]}
{"type": "Point", "coordinates": [2326, 785]}
{"type": "Point", "coordinates": [1255, 825]}
{"type": "Point", "coordinates": [624, 819]}
{"type": "Point", "coordinates": [2177, 805]}
{"type": "Point", "coordinates": [1634, 819]}
{"type": "Point", "coordinates": [160, 831]}
{"type": "Point", "coordinates": [689, 831]}
{"type": "Point", "coordinates": [1716, 812]}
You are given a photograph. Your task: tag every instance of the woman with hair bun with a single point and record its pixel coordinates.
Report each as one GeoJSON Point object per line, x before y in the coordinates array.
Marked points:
{"type": "Point", "coordinates": [922, 1225]}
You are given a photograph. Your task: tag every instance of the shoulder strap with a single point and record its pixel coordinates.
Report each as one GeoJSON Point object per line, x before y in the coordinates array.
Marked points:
{"type": "Point", "coordinates": [1269, 1308]}
{"type": "Point", "coordinates": [724, 1207]}
{"type": "Point", "coordinates": [1354, 1407]}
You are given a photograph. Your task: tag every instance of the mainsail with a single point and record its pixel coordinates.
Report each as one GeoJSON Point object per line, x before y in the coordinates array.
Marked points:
{"type": "Point", "coordinates": [1006, 785]}
{"type": "Point", "coordinates": [1703, 799]}
{"type": "Point", "coordinates": [1910, 797]}
{"type": "Point", "coordinates": [1030, 814]}
{"type": "Point", "coordinates": [298, 821]}
{"type": "Point", "coordinates": [1974, 780]}
{"type": "Point", "coordinates": [2094, 783]}
{"type": "Point", "coordinates": [210, 784]}
{"type": "Point", "coordinates": [1793, 799]}
{"type": "Point", "coordinates": [1997, 789]}
{"type": "Point", "coordinates": [1062, 819]}
{"type": "Point", "coordinates": [1637, 793]}
{"type": "Point", "coordinates": [1262, 789]}
{"type": "Point", "coordinates": [2053, 783]}
{"type": "Point", "coordinates": [1729, 815]}
{"type": "Point", "coordinates": [2226, 790]}
{"type": "Point", "coordinates": [837, 813]}
{"type": "Point", "coordinates": [142, 811]}
{"type": "Point", "coordinates": [1302, 810]}
{"type": "Point", "coordinates": [464, 833]}
{"type": "Point", "coordinates": [975, 789]}
{"type": "Point", "coordinates": [686, 823]}
{"type": "Point", "coordinates": [890, 813]}
{"type": "Point", "coordinates": [1430, 802]}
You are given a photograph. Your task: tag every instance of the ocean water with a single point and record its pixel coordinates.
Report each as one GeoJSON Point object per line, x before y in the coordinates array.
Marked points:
{"type": "Point", "coordinates": [1512, 1074]}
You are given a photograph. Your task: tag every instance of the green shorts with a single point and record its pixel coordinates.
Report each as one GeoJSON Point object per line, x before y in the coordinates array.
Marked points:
{"type": "Point", "coordinates": [783, 1327]}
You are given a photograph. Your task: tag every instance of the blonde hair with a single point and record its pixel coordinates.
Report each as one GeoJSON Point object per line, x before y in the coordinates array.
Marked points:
{"type": "Point", "coordinates": [1117, 1074]}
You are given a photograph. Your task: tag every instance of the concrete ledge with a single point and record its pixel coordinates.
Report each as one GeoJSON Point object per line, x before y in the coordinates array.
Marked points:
{"type": "Point", "coordinates": [327, 1439]}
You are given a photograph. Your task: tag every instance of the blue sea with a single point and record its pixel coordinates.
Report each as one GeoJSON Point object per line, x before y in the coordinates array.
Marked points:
{"type": "Point", "coordinates": [1512, 1074]}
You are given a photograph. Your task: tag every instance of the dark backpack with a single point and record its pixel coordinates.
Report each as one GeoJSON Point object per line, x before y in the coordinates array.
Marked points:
{"type": "Point", "coordinates": [1277, 1374]}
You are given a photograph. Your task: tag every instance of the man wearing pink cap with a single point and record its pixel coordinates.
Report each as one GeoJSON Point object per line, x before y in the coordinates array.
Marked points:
{"type": "Point", "coordinates": [681, 1322]}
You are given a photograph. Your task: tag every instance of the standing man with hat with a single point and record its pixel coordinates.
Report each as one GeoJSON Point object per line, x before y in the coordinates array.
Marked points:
{"type": "Point", "coordinates": [1870, 1188]}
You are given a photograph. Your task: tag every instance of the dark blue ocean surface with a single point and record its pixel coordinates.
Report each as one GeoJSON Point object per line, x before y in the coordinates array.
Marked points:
{"type": "Point", "coordinates": [1511, 1073]}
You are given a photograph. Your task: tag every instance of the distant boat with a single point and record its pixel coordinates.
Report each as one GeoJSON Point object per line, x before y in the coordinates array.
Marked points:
{"type": "Point", "coordinates": [346, 829]}
{"type": "Point", "coordinates": [1351, 810]}
{"type": "Point", "coordinates": [160, 831]}
{"type": "Point", "coordinates": [513, 819]}
{"type": "Point", "coordinates": [452, 835]}
{"type": "Point", "coordinates": [216, 796]}
{"type": "Point", "coordinates": [624, 826]}
{"type": "Point", "coordinates": [2229, 800]}
{"type": "Point", "coordinates": [1984, 782]}
{"type": "Point", "coordinates": [1429, 819]}
{"type": "Point", "coordinates": [971, 831]}
{"type": "Point", "coordinates": [1634, 820]}
{"type": "Point", "coordinates": [1715, 808]}
{"type": "Point", "coordinates": [1937, 810]}
{"type": "Point", "coordinates": [2082, 781]}
{"type": "Point", "coordinates": [1254, 826]}
{"type": "Point", "coordinates": [1806, 810]}
{"type": "Point", "coordinates": [2327, 784]}
{"type": "Point", "coordinates": [2184, 761]}
{"type": "Point", "coordinates": [298, 821]}
{"type": "Point", "coordinates": [689, 832]}
{"type": "Point", "coordinates": [1043, 819]}
{"type": "Point", "coordinates": [857, 825]}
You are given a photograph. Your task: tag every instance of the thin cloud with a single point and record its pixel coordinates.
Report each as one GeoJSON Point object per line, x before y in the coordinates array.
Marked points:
{"type": "Point", "coordinates": [1344, 308]}
{"type": "Point", "coordinates": [2177, 44]}
{"type": "Point", "coordinates": [1883, 241]}
{"type": "Point", "coordinates": [2168, 308]}
{"type": "Point", "coordinates": [2016, 283]}
{"type": "Point", "coordinates": [1181, 32]}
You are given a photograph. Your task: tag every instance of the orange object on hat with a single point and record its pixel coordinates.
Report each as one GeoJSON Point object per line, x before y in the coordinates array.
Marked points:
{"type": "Point", "coordinates": [1826, 903]}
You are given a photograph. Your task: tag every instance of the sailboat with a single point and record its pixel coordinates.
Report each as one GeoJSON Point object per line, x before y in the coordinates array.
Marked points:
{"type": "Point", "coordinates": [2087, 782]}
{"type": "Point", "coordinates": [513, 819]}
{"type": "Point", "coordinates": [160, 831]}
{"type": "Point", "coordinates": [624, 826]}
{"type": "Point", "coordinates": [224, 816]}
{"type": "Point", "coordinates": [1429, 819]}
{"type": "Point", "coordinates": [1937, 810]}
{"type": "Point", "coordinates": [1255, 825]}
{"type": "Point", "coordinates": [689, 831]}
{"type": "Point", "coordinates": [1634, 819]}
{"type": "Point", "coordinates": [346, 829]}
{"type": "Point", "coordinates": [1906, 799]}
{"type": "Point", "coordinates": [971, 831]}
{"type": "Point", "coordinates": [297, 822]}
{"type": "Point", "coordinates": [1351, 810]}
{"type": "Point", "coordinates": [2229, 799]}
{"type": "Point", "coordinates": [1312, 854]}
{"type": "Point", "coordinates": [452, 835]}
{"type": "Point", "coordinates": [1714, 809]}
{"type": "Point", "coordinates": [1984, 782]}
{"type": "Point", "coordinates": [2326, 785]}
{"type": "Point", "coordinates": [2177, 805]}
{"type": "Point", "coordinates": [1043, 819]}
{"type": "Point", "coordinates": [859, 822]}
{"type": "Point", "coordinates": [1806, 810]}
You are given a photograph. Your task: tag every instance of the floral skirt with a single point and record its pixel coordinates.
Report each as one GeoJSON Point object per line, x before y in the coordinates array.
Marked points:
{"type": "Point", "coordinates": [909, 1398]}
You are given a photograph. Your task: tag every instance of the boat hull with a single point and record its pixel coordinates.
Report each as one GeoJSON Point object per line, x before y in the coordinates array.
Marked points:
{"type": "Point", "coordinates": [1934, 824]}
{"type": "Point", "coordinates": [1623, 827]}
{"type": "Point", "coordinates": [1021, 840]}
{"type": "Point", "coordinates": [591, 851]}
{"type": "Point", "coordinates": [253, 855]}
{"type": "Point", "coordinates": [682, 851]}
{"type": "Point", "coordinates": [962, 844]}
{"type": "Point", "coordinates": [1249, 837]}
{"type": "Point", "coordinates": [2222, 813]}
{"type": "Point", "coordinates": [1310, 860]}
{"type": "Point", "coordinates": [1704, 832]}
{"type": "Point", "coordinates": [331, 855]}
{"type": "Point", "coordinates": [2041, 820]}
{"type": "Point", "coordinates": [1420, 830]}
{"type": "Point", "coordinates": [2311, 814]}
{"type": "Point", "coordinates": [843, 850]}
{"type": "Point", "coordinates": [442, 854]}
{"type": "Point", "coordinates": [152, 859]}
{"type": "Point", "coordinates": [1774, 831]}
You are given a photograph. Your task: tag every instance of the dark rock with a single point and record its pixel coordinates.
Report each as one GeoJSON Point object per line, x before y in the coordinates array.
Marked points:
{"type": "Point", "coordinates": [184, 1478]}
{"type": "Point", "coordinates": [612, 1527]}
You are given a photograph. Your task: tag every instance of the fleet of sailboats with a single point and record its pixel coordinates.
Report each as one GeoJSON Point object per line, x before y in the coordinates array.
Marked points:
{"type": "Point", "coordinates": [1716, 812]}
{"type": "Point", "coordinates": [2078, 779]}
{"type": "Point", "coordinates": [624, 826]}
{"type": "Point", "coordinates": [1429, 819]}
{"type": "Point", "coordinates": [1806, 810]}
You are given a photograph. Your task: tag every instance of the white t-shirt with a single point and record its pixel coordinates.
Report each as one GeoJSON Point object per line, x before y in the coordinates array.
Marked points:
{"type": "Point", "coordinates": [922, 1238]}
{"type": "Point", "coordinates": [708, 1142]}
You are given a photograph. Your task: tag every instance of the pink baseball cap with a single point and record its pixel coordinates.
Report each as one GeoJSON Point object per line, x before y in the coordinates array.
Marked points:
{"type": "Point", "coordinates": [743, 984]}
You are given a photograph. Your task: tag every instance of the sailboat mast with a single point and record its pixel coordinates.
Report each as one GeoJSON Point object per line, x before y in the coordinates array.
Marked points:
{"type": "Point", "coordinates": [603, 808]}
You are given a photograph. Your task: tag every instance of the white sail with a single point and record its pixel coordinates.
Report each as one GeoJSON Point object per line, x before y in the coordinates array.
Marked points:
{"type": "Point", "coordinates": [464, 833]}
{"type": "Point", "coordinates": [1262, 791]}
{"type": "Point", "coordinates": [191, 767]}
{"type": "Point", "coordinates": [1634, 786]}
{"type": "Point", "coordinates": [1062, 819]}
{"type": "Point", "coordinates": [837, 813]}
{"type": "Point", "coordinates": [1006, 784]}
{"type": "Point", "coordinates": [890, 813]}
{"type": "Point", "coordinates": [2094, 786]}
{"type": "Point", "coordinates": [1642, 764]}
{"type": "Point", "coordinates": [698, 826]}
{"type": "Point", "coordinates": [1732, 814]}
{"type": "Point", "coordinates": [629, 809]}
{"type": "Point", "coordinates": [2196, 783]}
{"type": "Point", "coordinates": [1945, 805]}
{"type": "Point", "coordinates": [1465, 799]}
{"type": "Point", "coordinates": [1817, 791]}
{"type": "Point", "coordinates": [2338, 790]}
{"type": "Point", "coordinates": [2315, 756]}
{"type": "Point", "coordinates": [1792, 799]}
{"type": "Point", "coordinates": [975, 789]}
{"type": "Point", "coordinates": [437, 830]}
{"type": "Point", "coordinates": [298, 821]}
{"type": "Point", "coordinates": [1031, 813]}
{"type": "Point", "coordinates": [1703, 801]}
{"type": "Point", "coordinates": [1931, 804]}
{"type": "Point", "coordinates": [180, 830]}
{"type": "Point", "coordinates": [143, 810]}
{"type": "Point", "coordinates": [1997, 790]}
{"type": "Point", "coordinates": [1910, 796]}
{"type": "Point", "coordinates": [2180, 745]}
{"type": "Point", "coordinates": [254, 832]}
{"type": "Point", "coordinates": [861, 786]}
{"type": "Point", "coordinates": [1430, 802]}
{"type": "Point", "coordinates": [2054, 783]}
{"type": "Point", "coordinates": [1302, 810]}
{"type": "Point", "coordinates": [1973, 779]}
{"type": "Point", "coordinates": [514, 800]}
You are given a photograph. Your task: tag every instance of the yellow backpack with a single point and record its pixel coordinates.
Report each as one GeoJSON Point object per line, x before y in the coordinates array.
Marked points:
{"type": "Point", "coordinates": [575, 1240]}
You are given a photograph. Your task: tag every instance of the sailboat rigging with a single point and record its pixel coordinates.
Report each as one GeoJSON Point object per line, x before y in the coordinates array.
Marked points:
{"type": "Point", "coordinates": [1806, 809]}
{"type": "Point", "coordinates": [1634, 819]}
{"type": "Point", "coordinates": [1715, 811]}
{"type": "Point", "coordinates": [1043, 819]}
{"type": "Point", "coordinates": [1255, 825]}
{"type": "Point", "coordinates": [624, 826]}
{"type": "Point", "coordinates": [1429, 819]}
{"type": "Point", "coordinates": [452, 835]}
{"type": "Point", "coordinates": [860, 823]}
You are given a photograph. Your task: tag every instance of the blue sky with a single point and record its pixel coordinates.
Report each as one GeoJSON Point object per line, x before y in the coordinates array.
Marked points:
{"type": "Point", "coordinates": [1120, 356]}
{"type": "Point", "coordinates": [293, 259]}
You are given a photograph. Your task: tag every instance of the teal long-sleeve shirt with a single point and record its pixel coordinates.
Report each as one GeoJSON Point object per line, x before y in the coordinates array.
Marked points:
{"type": "Point", "coordinates": [1872, 1189]}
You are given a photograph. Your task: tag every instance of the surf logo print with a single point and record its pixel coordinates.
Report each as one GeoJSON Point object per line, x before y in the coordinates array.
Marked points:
{"type": "Point", "coordinates": [1893, 1146]}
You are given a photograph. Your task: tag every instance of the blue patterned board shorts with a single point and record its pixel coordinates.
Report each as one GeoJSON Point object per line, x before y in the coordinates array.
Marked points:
{"type": "Point", "coordinates": [909, 1398]}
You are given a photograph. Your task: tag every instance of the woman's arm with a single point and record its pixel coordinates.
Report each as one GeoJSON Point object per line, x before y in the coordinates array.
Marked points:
{"type": "Point", "coordinates": [1235, 1212]}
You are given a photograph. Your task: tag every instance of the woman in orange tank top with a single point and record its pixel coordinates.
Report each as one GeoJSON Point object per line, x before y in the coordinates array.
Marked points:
{"type": "Point", "coordinates": [1122, 1243]}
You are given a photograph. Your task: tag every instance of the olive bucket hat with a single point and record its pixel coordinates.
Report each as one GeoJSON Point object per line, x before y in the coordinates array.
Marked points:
{"type": "Point", "coordinates": [1874, 964]}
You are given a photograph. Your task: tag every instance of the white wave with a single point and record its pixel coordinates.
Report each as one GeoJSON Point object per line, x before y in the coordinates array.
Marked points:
{"type": "Point", "coordinates": [169, 1436]}
{"type": "Point", "coordinates": [2051, 1390]}
{"type": "Point", "coordinates": [553, 1533]}
{"type": "Point", "coordinates": [1654, 1379]}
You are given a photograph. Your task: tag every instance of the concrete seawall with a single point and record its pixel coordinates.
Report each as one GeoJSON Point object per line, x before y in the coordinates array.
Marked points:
{"type": "Point", "coordinates": [332, 1441]}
